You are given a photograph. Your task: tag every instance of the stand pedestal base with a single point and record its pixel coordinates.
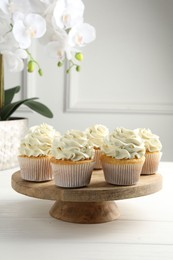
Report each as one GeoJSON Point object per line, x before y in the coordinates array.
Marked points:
{"type": "Point", "coordinates": [89, 205]}
{"type": "Point", "coordinates": [85, 212]}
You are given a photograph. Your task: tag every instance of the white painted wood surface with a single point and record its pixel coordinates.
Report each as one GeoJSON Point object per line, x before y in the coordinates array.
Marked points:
{"type": "Point", "coordinates": [143, 231]}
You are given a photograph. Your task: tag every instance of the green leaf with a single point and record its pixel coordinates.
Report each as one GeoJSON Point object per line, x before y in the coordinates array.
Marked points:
{"type": "Point", "coordinates": [9, 109]}
{"type": "Point", "coordinates": [9, 94]}
{"type": "Point", "coordinates": [39, 108]}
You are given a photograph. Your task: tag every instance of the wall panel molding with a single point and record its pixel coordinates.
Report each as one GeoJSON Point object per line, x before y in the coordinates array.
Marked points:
{"type": "Point", "coordinates": [72, 103]}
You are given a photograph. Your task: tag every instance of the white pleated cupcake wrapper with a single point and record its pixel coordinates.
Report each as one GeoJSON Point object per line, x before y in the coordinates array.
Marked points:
{"type": "Point", "coordinates": [151, 163]}
{"type": "Point", "coordinates": [71, 176]}
{"type": "Point", "coordinates": [122, 174]}
{"type": "Point", "coordinates": [98, 164]}
{"type": "Point", "coordinates": [33, 169]}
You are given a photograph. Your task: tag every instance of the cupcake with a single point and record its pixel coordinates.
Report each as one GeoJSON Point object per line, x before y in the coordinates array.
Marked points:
{"type": "Point", "coordinates": [34, 158]}
{"type": "Point", "coordinates": [96, 135]}
{"type": "Point", "coordinates": [72, 160]}
{"type": "Point", "coordinates": [123, 157]}
{"type": "Point", "coordinates": [153, 148]}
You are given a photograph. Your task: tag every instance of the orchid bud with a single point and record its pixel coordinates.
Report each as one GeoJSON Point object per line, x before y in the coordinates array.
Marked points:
{"type": "Point", "coordinates": [79, 56]}
{"type": "Point", "coordinates": [31, 66]}
{"type": "Point", "coordinates": [68, 71]}
{"type": "Point", "coordinates": [60, 64]}
{"type": "Point", "coordinates": [77, 68]}
{"type": "Point", "coordinates": [40, 72]}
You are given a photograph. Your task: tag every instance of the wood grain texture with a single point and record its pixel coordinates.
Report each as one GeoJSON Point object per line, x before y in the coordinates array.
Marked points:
{"type": "Point", "coordinates": [85, 212]}
{"type": "Point", "coordinates": [97, 191]}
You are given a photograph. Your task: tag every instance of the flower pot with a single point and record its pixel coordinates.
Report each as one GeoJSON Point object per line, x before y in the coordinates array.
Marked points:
{"type": "Point", "coordinates": [11, 133]}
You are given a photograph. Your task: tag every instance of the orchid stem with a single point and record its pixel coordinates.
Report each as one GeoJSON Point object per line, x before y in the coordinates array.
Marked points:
{"type": "Point", "coordinates": [32, 59]}
{"type": "Point", "coordinates": [1, 82]}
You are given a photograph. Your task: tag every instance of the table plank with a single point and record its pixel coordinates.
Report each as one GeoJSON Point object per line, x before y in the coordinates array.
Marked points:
{"type": "Point", "coordinates": [119, 231]}
{"type": "Point", "coordinates": [50, 249]}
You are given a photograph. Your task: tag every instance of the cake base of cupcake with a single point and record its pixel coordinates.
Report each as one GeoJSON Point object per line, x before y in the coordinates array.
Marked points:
{"type": "Point", "coordinates": [85, 212]}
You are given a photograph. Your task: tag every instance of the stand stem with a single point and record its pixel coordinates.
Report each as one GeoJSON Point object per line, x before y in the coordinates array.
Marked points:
{"type": "Point", "coordinates": [85, 212]}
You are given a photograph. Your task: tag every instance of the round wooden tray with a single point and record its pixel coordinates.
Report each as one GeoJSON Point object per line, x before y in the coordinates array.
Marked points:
{"type": "Point", "coordinates": [91, 204]}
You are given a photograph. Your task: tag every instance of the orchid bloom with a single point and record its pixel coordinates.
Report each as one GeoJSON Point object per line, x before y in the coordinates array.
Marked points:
{"type": "Point", "coordinates": [57, 49]}
{"type": "Point", "coordinates": [14, 60]}
{"type": "Point", "coordinates": [81, 34]}
{"type": "Point", "coordinates": [78, 37]}
{"type": "Point", "coordinates": [58, 45]}
{"type": "Point", "coordinates": [32, 26]}
{"type": "Point", "coordinates": [68, 13]}
{"type": "Point", "coordinates": [58, 24]}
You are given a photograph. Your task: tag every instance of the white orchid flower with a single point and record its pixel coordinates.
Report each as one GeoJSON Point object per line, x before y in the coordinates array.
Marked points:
{"type": "Point", "coordinates": [68, 13]}
{"type": "Point", "coordinates": [14, 60]}
{"type": "Point", "coordinates": [81, 34]}
{"type": "Point", "coordinates": [64, 47]}
{"type": "Point", "coordinates": [57, 23]}
{"type": "Point", "coordinates": [58, 48]}
{"type": "Point", "coordinates": [32, 26]}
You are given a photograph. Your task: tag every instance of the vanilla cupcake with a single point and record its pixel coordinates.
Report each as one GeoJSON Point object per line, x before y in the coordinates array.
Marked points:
{"type": "Point", "coordinates": [123, 157]}
{"type": "Point", "coordinates": [96, 135]}
{"type": "Point", "coordinates": [35, 148]}
{"type": "Point", "coordinates": [153, 148]}
{"type": "Point", "coordinates": [72, 160]}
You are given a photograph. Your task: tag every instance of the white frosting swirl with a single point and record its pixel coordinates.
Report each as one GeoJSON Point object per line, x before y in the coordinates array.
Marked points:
{"type": "Point", "coordinates": [151, 141]}
{"type": "Point", "coordinates": [124, 144]}
{"type": "Point", "coordinates": [96, 135]}
{"type": "Point", "coordinates": [72, 146]}
{"type": "Point", "coordinates": [38, 141]}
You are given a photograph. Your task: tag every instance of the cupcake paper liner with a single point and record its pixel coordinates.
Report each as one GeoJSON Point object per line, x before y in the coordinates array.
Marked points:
{"type": "Point", "coordinates": [72, 175]}
{"type": "Point", "coordinates": [151, 163]}
{"type": "Point", "coordinates": [98, 164]}
{"type": "Point", "coordinates": [35, 169]}
{"type": "Point", "coordinates": [122, 174]}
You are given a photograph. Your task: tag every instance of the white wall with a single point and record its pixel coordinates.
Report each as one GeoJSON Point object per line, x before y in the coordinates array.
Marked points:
{"type": "Point", "coordinates": [126, 77]}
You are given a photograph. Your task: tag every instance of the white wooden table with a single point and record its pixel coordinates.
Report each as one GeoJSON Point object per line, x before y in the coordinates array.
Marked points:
{"type": "Point", "coordinates": [143, 231]}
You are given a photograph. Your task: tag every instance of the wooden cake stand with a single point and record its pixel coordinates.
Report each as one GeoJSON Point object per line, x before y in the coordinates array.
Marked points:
{"type": "Point", "coordinates": [91, 204]}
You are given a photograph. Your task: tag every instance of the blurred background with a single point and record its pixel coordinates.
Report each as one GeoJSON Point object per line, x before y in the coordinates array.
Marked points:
{"type": "Point", "coordinates": [126, 77]}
